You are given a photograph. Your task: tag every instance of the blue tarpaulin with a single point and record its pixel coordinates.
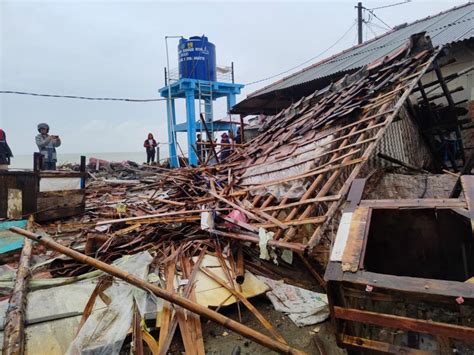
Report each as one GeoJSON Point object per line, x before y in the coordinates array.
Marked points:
{"type": "Point", "coordinates": [9, 240]}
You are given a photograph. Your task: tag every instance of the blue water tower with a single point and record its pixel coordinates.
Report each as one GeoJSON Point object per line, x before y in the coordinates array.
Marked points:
{"type": "Point", "coordinates": [197, 59]}
{"type": "Point", "coordinates": [197, 81]}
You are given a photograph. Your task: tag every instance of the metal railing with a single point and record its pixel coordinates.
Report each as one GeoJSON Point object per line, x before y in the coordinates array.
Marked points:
{"type": "Point", "coordinates": [224, 74]}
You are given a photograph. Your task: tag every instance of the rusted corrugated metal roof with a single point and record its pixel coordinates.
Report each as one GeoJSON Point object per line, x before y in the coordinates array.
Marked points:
{"type": "Point", "coordinates": [451, 26]}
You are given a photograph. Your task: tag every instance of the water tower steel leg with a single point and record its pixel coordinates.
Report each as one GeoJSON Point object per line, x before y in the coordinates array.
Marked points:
{"type": "Point", "coordinates": [191, 122]}
{"type": "Point", "coordinates": [172, 135]}
{"type": "Point", "coordinates": [230, 101]}
{"type": "Point", "coordinates": [173, 151]}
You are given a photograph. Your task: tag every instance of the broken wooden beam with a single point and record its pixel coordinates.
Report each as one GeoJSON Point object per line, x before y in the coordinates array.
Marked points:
{"type": "Point", "coordinates": [14, 331]}
{"type": "Point", "coordinates": [405, 323]}
{"type": "Point", "coordinates": [172, 298]}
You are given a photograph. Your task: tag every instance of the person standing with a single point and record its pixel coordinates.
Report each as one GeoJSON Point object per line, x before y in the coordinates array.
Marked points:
{"type": "Point", "coordinates": [5, 151]}
{"type": "Point", "coordinates": [150, 145]}
{"type": "Point", "coordinates": [199, 147]}
{"type": "Point", "coordinates": [47, 145]}
{"type": "Point", "coordinates": [225, 147]}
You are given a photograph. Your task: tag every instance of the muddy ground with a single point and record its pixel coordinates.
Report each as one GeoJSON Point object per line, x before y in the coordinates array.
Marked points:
{"type": "Point", "coordinates": [315, 339]}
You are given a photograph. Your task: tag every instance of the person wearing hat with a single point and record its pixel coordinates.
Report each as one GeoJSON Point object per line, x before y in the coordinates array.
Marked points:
{"type": "Point", "coordinates": [47, 146]}
{"type": "Point", "coordinates": [5, 151]}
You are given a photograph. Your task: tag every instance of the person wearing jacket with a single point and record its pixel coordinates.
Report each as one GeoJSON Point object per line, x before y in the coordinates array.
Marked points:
{"type": "Point", "coordinates": [47, 146]}
{"type": "Point", "coordinates": [150, 145]}
{"type": "Point", "coordinates": [5, 151]}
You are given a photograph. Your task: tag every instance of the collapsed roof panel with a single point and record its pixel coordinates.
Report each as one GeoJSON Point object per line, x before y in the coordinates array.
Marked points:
{"type": "Point", "coordinates": [297, 170]}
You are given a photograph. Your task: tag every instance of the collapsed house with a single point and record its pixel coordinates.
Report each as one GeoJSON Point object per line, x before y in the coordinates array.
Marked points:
{"type": "Point", "coordinates": [182, 234]}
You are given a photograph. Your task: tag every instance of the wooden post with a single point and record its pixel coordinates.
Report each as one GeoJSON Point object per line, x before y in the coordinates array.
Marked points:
{"type": "Point", "coordinates": [242, 132]}
{"type": "Point", "coordinates": [170, 297]}
{"type": "Point", "coordinates": [209, 137]}
{"type": "Point", "coordinates": [37, 161]}
{"type": "Point", "coordinates": [14, 331]}
{"type": "Point", "coordinates": [82, 167]}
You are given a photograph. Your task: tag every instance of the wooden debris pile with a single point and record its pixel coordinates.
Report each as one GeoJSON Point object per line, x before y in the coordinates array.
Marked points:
{"type": "Point", "coordinates": [279, 192]}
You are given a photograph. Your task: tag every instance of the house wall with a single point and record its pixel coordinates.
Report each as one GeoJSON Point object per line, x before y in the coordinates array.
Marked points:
{"type": "Point", "coordinates": [402, 141]}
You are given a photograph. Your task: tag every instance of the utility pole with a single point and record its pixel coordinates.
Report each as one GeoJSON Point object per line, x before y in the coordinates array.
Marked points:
{"type": "Point", "coordinates": [359, 22]}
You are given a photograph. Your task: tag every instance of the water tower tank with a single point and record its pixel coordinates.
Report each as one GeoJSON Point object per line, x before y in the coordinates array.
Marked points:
{"type": "Point", "coordinates": [197, 58]}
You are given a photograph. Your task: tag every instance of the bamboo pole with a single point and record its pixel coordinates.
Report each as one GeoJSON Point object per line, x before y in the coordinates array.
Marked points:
{"type": "Point", "coordinates": [14, 330]}
{"type": "Point", "coordinates": [175, 299]}
{"type": "Point", "coordinates": [240, 273]}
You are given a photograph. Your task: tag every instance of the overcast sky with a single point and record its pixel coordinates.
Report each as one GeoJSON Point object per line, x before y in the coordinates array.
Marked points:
{"type": "Point", "coordinates": [117, 49]}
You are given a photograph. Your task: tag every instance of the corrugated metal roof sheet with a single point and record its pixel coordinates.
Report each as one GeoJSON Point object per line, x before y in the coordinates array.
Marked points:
{"type": "Point", "coordinates": [451, 26]}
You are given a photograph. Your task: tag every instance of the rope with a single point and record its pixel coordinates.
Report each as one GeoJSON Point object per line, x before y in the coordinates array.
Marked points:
{"type": "Point", "coordinates": [78, 97]}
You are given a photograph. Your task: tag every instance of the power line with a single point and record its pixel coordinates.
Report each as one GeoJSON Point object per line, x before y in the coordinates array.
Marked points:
{"type": "Point", "coordinates": [370, 28]}
{"type": "Point", "coordinates": [306, 61]}
{"type": "Point", "coordinates": [396, 4]}
{"type": "Point", "coordinates": [378, 18]}
{"type": "Point", "coordinates": [378, 26]}
{"type": "Point", "coordinates": [78, 97]}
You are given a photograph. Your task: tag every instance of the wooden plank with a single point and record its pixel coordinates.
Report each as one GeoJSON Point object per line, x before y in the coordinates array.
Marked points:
{"type": "Point", "coordinates": [355, 194]}
{"type": "Point", "coordinates": [174, 203]}
{"type": "Point", "coordinates": [56, 213]}
{"type": "Point", "coordinates": [415, 203]}
{"type": "Point", "coordinates": [58, 204]}
{"type": "Point", "coordinates": [158, 215]}
{"type": "Point", "coordinates": [195, 319]}
{"type": "Point", "coordinates": [411, 324]}
{"type": "Point", "coordinates": [467, 183]}
{"type": "Point", "coordinates": [342, 235]}
{"type": "Point", "coordinates": [357, 232]}
{"type": "Point", "coordinates": [314, 220]}
{"type": "Point", "coordinates": [60, 198]}
{"type": "Point", "coordinates": [167, 312]}
{"type": "Point", "coordinates": [357, 342]}
{"type": "Point", "coordinates": [452, 289]}
{"type": "Point", "coordinates": [59, 174]}
{"type": "Point", "coordinates": [299, 203]}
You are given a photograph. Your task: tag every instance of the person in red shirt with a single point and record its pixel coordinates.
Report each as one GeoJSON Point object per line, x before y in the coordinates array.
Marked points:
{"type": "Point", "coordinates": [150, 145]}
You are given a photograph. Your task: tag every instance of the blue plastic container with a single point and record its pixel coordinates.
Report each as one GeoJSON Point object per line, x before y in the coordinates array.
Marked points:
{"type": "Point", "coordinates": [197, 59]}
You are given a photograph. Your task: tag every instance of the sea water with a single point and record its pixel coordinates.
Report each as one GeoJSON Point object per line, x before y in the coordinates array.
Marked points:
{"type": "Point", "coordinates": [26, 161]}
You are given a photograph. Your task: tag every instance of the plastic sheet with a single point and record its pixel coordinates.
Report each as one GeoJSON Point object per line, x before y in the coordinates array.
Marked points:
{"type": "Point", "coordinates": [303, 307]}
{"type": "Point", "coordinates": [104, 331]}
{"type": "Point", "coordinates": [53, 316]}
